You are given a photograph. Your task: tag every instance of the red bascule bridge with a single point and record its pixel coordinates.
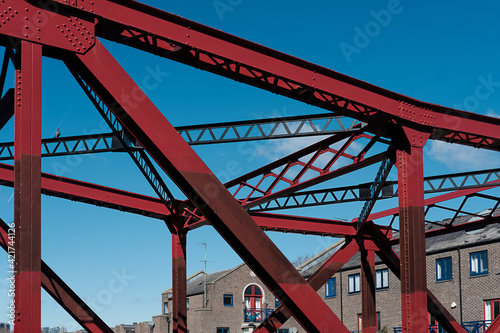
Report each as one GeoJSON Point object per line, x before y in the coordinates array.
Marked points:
{"type": "Point", "coordinates": [70, 31]}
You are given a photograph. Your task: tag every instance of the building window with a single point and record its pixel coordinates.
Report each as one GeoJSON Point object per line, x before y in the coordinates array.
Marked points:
{"type": "Point", "coordinates": [187, 303]}
{"type": "Point", "coordinates": [479, 263]}
{"type": "Point", "coordinates": [331, 288]}
{"type": "Point", "coordinates": [165, 308]}
{"type": "Point", "coordinates": [382, 279]}
{"type": "Point", "coordinates": [253, 304]}
{"type": "Point", "coordinates": [222, 330]}
{"type": "Point", "coordinates": [354, 285]}
{"type": "Point", "coordinates": [443, 269]}
{"type": "Point", "coordinates": [228, 300]}
{"type": "Point", "coordinates": [360, 321]}
{"type": "Point", "coordinates": [491, 310]}
{"type": "Point", "coordinates": [277, 302]}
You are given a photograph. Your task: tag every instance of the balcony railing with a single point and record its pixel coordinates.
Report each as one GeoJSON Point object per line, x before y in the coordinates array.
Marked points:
{"type": "Point", "coordinates": [256, 315]}
{"type": "Point", "coordinates": [478, 326]}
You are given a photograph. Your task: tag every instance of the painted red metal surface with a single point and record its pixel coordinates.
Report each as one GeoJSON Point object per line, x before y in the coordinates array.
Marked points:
{"type": "Point", "coordinates": [303, 225]}
{"type": "Point", "coordinates": [183, 40]}
{"type": "Point", "coordinates": [393, 262]}
{"type": "Point", "coordinates": [27, 197]}
{"type": "Point", "coordinates": [61, 292]}
{"type": "Point", "coordinates": [179, 287]}
{"type": "Point", "coordinates": [100, 70]}
{"type": "Point", "coordinates": [317, 280]}
{"type": "Point", "coordinates": [412, 239]}
{"type": "Point", "coordinates": [70, 33]}
{"type": "Point", "coordinates": [369, 312]}
{"type": "Point", "coordinates": [494, 327]}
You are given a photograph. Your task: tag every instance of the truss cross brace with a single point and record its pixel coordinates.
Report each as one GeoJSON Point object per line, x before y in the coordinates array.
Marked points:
{"type": "Point", "coordinates": [100, 70]}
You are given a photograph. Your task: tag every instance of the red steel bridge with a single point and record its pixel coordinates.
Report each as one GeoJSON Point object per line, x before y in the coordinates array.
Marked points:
{"type": "Point", "coordinates": [71, 30]}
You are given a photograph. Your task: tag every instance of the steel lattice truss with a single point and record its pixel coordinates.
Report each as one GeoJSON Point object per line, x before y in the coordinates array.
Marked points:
{"type": "Point", "coordinates": [392, 130]}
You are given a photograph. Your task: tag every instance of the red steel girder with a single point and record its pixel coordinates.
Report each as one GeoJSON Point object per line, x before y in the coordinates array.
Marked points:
{"type": "Point", "coordinates": [27, 198]}
{"type": "Point", "coordinates": [179, 284]}
{"type": "Point", "coordinates": [60, 291]}
{"type": "Point", "coordinates": [369, 312]}
{"type": "Point", "coordinates": [93, 194]}
{"type": "Point", "coordinates": [436, 199]}
{"type": "Point", "coordinates": [393, 262]}
{"type": "Point", "coordinates": [108, 197]}
{"type": "Point", "coordinates": [412, 234]}
{"type": "Point", "coordinates": [47, 23]}
{"type": "Point", "coordinates": [304, 225]}
{"type": "Point", "coordinates": [171, 36]}
{"type": "Point", "coordinates": [294, 181]}
{"type": "Point", "coordinates": [317, 280]}
{"type": "Point", "coordinates": [143, 120]}
{"type": "Point", "coordinates": [494, 326]}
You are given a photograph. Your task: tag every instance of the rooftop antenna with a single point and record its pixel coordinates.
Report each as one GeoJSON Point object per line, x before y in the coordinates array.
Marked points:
{"type": "Point", "coordinates": [205, 276]}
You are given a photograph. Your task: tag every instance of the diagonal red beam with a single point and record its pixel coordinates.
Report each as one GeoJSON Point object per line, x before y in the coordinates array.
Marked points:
{"type": "Point", "coordinates": [60, 291]}
{"type": "Point", "coordinates": [393, 262]}
{"type": "Point", "coordinates": [169, 35]}
{"type": "Point", "coordinates": [151, 129]}
{"type": "Point", "coordinates": [433, 200]}
{"type": "Point", "coordinates": [108, 197]}
{"type": "Point", "coordinates": [356, 165]}
{"type": "Point", "coordinates": [318, 279]}
{"type": "Point", "coordinates": [494, 327]}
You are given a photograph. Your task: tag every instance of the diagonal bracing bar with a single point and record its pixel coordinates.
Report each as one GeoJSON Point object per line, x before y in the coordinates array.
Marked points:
{"type": "Point", "coordinates": [318, 279]}
{"type": "Point", "coordinates": [393, 262]}
{"type": "Point", "coordinates": [99, 69]}
{"type": "Point", "coordinates": [433, 184]}
{"type": "Point", "coordinates": [375, 189]}
{"type": "Point", "coordinates": [102, 196]}
{"type": "Point", "coordinates": [161, 33]}
{"type": "Point", "coordinates": [60, 291]}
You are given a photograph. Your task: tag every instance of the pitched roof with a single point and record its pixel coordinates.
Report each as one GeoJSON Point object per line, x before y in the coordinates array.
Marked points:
{"type": "Point", "coordinates": [474, 235]}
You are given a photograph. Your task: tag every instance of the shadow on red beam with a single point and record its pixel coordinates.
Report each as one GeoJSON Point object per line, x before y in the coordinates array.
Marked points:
{"type": "Point", "coordinates": [435, 200]}
{"type": "Point", "coordinates": [94, 194]}
{"type": "Point", "coordinates": [108, 197]}
{"type": "Point", "coordinates": [304, 225]}
{"type": "Point", "coordinates": [61, 292]}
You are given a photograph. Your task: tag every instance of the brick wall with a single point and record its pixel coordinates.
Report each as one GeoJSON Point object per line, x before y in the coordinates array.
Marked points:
{"type": "Point", "coordinates": [475, 290]}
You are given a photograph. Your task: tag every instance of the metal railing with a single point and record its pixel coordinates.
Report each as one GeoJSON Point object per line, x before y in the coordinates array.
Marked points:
{"type": "Point", "coordinates": [256, 315]}
{"type": "Point", "coordinates": [478, 326]}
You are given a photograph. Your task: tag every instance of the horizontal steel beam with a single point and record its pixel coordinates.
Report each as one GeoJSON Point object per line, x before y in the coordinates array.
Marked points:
{"type": "Point", "coordinates": [161, 33]}
{"type": "Point", "coordinates": [70, 145]}
{"type": "Point", "coordinates": [265, 129]}
{"type": "Point", "coordinates": [361, 192]}
{"type": "Point", "coordinates": [261, 129]}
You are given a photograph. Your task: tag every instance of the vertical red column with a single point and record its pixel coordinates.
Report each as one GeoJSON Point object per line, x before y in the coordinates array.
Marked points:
{"type": "Point", "coordinates": [369, 312]}
{"type": "Point", "coordinates": [27, 180]}
{"type": "Point", "coordinates": [179, 293]}
{"type": "Point", "coordinates": [412, 233]}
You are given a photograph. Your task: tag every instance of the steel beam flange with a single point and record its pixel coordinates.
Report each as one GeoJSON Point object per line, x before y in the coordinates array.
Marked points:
{"type": "Point", "coordinates": [45, 23]}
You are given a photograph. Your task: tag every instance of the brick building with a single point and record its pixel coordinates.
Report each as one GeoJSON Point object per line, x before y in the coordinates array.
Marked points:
{"type": "Point", "coordinates": [463, 272]}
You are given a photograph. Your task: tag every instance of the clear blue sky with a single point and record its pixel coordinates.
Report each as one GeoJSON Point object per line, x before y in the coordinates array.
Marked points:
{"type": "Point", "coordinates": [437, 52]}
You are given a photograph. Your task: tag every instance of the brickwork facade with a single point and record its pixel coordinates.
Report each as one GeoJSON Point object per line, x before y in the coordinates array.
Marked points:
{"type": "Point", "coordinates": [462, 294]}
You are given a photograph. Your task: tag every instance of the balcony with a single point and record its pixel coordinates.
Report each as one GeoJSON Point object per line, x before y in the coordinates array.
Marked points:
{"type": "Point", "coordinates": [256, 315]}
{"type": "Point", "coordinates": [478, 326]}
